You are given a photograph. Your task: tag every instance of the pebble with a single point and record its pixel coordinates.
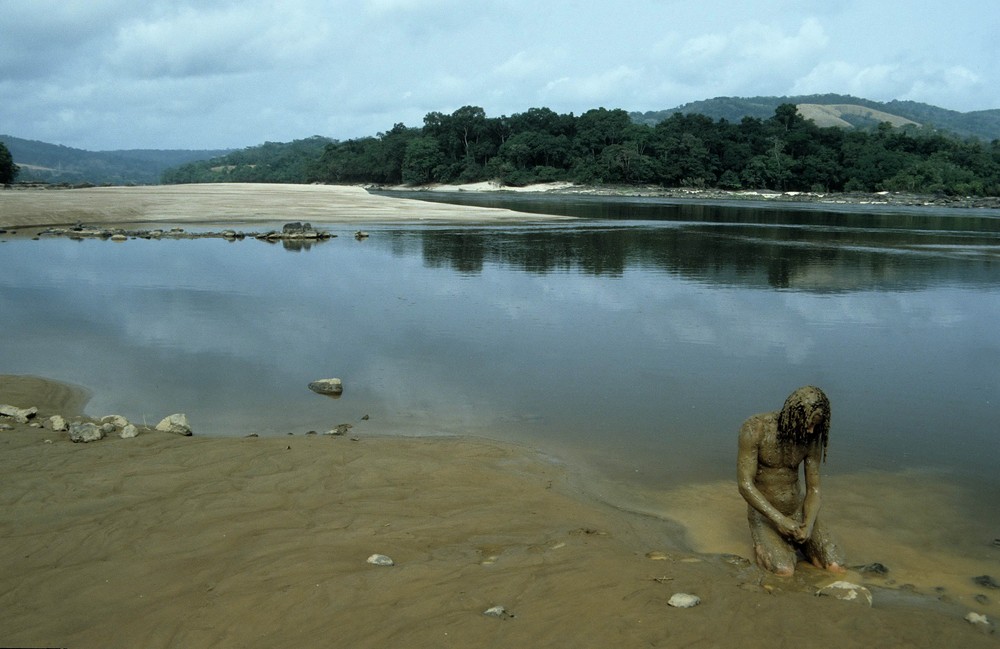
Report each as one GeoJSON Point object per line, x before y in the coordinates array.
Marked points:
{"type": "Point", "coordinates": [683, 600]}
{"type": "Point", "coordinates": [380, 560]}
{"type": "Point", "coordinates": [977, 618]}
{"type": "Point", "coordinates": [498, 612]}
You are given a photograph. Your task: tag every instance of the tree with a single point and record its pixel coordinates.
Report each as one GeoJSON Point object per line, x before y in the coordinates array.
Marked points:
{"type": "Point", "coordinates": [8, 170]}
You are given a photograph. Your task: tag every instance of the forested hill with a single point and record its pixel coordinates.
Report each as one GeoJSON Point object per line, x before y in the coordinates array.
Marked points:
{"type": "Point", "coordinates": [983, 124]}
{"type": "Point", "coordinates": [52, 163]}
{"type": "Point", "coordinates": [782, 152]}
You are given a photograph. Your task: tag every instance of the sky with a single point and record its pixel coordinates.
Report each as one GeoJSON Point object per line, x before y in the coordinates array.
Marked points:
{"type": "Point", "coordinates": [208, 74]}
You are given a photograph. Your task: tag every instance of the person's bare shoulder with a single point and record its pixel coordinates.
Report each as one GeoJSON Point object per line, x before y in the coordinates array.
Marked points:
{"type": "Point", "coordinates": [753, 428]}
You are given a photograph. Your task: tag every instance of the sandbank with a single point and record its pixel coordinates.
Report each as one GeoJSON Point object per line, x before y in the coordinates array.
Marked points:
{"type": "Point", "coordinates": [229, 203]}
{"type": "Point", "coordinates": [164, 540]}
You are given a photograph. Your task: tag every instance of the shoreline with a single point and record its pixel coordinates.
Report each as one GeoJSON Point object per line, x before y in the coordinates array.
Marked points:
{"type": "Point", "coordinates": [229, 541]}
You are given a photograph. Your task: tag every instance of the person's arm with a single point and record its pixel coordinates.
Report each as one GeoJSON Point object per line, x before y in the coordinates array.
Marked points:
{"type": "Point", "coordinates": [746, 471]}
{"type": "Point", "coordinates": [810, 507]}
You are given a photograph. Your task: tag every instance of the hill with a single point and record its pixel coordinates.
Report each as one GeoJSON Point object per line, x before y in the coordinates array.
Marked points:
{"type": "Point", "coordinates": [52, 163]}
{"type": "Point", "coordinates": [852, 112]}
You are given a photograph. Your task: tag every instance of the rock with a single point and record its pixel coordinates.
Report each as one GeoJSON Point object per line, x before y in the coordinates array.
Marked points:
{"type": "Point", "coordinates": [56, 422]}
{"type": "Point", "coordinates": [20, 415]}
{"type": "Point", "coordinates": [846, 591]}
{"type": "Point", "coordinates": [6, 427]}
{"type": "Point", "coordinates": [380, 560]}
{"type": "Point", "coordinates": [176, 423]}
{"type": "Point", "coordinates": [85, 432]}
{"type": "Point", "coordinates": [986, 581]}
{"type": "Point", "coordinates": [498, 612]}
{"type": "Point", "coordinates": [341, 429]}
{"type": "Point", "coordinates": [129, 431]}
{"type": "Point", "coordinates": [327, 386]}
{"type": "Point", "coordinates": [978, 619]}
{"type": "Point", "coordinates": [683, 600]}
{"type": "Point", "coordinates": [874, 568]}
{"type": "Point", "coordinates": [360, 234]}
{"type": "Point", "coordinates": [115, 420]}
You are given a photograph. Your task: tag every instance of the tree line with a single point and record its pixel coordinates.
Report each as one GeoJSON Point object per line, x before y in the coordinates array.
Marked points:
{"type": "Point", "coordinates": [784, 152]}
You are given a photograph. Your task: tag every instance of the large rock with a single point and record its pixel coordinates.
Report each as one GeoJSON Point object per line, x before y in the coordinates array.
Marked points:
{"type": "Point", "coordinates": [129, 431]}
{"type": "Point", "coordinates": [57, 423]}
{"type": "Point", "coordinates": [327, 386]}
{"type": "Point", "coordinates": [176, 423]}
{"type": "Point", "coordinates": [20, 415]}
{"type": "Point", "coordinates": [85, 432]}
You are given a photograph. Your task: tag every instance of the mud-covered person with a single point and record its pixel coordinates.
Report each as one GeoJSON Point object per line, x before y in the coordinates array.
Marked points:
{"type": "Point", "coordinates": [783, 517]}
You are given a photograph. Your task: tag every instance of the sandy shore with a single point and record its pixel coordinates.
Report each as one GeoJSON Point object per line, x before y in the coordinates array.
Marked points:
{"type": "Point", "coordinates": [227, 203]}
{"type": "Point", "coordinates": [164, 540]}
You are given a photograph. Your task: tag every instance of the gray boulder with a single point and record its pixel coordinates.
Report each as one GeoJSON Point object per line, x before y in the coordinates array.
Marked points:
{"type": "Point", "coordinates": [327, 386]}
{"type": "Point", "coordinates": [20, 415]}
{"type": "Point", "coordinates": [85, 432]}
{"type": "Point", "coordinates": [176, 423]}
{"type": "Point", "coordinates": [129, 431]}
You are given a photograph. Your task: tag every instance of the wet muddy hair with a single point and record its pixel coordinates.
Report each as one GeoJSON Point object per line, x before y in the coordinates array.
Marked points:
{"type": "Point", "coordinates": [794, 416]}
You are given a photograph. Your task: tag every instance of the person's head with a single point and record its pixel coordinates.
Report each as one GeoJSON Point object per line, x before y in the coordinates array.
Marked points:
{"type": "Point", "coordinates": [805, 417]}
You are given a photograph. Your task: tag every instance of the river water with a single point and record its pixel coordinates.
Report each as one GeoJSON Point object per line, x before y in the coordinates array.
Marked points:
{"type": "Point", "coordinates": [635, 340]}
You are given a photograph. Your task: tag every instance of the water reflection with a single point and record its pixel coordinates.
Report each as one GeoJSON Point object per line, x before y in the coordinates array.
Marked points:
{"type": "Point", "coordinates": [642, 344]}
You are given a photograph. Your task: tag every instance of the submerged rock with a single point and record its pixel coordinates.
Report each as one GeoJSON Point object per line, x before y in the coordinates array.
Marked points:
{"type": "Point", "coordinates": [327, 386]}
{"type": "Point", "coordinates": [986, 581]}
{"type": "Point", "coordinates": [85, 432]}
{"type": "Point", "coordinates": [846, 591]}
{"type": "Point", "coordinates": [381, 560]}
{"type": "Point", "coordinates": [176, 423]}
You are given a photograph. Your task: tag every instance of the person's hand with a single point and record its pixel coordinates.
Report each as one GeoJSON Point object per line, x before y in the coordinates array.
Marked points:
{"type": "Point", "coordinates": [789, 528]}
{"type": "Point", "coordinates": [801, 534]}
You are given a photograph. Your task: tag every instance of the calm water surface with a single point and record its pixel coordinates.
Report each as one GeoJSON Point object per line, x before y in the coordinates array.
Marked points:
{"type": "Point", "coordinates": [637, 339]}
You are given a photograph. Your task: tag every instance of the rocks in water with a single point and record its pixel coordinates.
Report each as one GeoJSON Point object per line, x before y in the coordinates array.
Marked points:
{"type": "Point", "coordinates": [327, 386]}
{"type": "Point", "coordinates": [129, 431]}
{"type": "Point", "coordinates": [85, 432]}
{"type": "Point", "coordinates": [360, 234]}
{"type": "Point", "coordinates": [176, 423]}
{"type": "Point", "coordinates": [20, 415]}
{"type": "Point", "coordinates": [499, 612]}
{"type": "Point", "coordinates": [295, 230]}
{"type": "Point", "coordinates": [986, 581]}
{"type": "Point", "coordinates": [381, 560]}
{"type": "Point", "coordinates": [57, 423]}
{"type": "Point", "coordinates": [874, 568]}
{"type": "Point", "coordinates": [683, 600]}
{"type": "Point", "coordinates": [341, 429]}
{"type": "Point", "coordinates": [846, 591]}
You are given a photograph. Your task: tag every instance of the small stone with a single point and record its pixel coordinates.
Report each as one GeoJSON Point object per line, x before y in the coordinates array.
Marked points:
{"type": "Point", "coordinates": [129, 431]}
{"type": "Point", "coordinates": [874, 568]}
{"type": "Point", "coordinates": [176, 423]}
{"type": "Point", "coordinates": [498, 612]}
{"type": "Point", "coordinates": [57, 423]}
{"type": "Point", "coordinates": [683, 600]}
{"type": "Point", "coordinates": [656, 555]}
{"type": "Point", "coordinates": [986, 581]}
{"type": "Point", "coordinates": [6, 427]}
{"type": "Point", "coordinates": [327, 386]}
{"type": "Point", "coordinates": [846, 591]}
{"type": "Point", "coordinates": [85, 432]}
{"type": "Point", "coordinates": [380, 560]}
{"type": "Point", "coordinates": [341, 429]}
{"type": "Point", "coordinates": [977, 618]}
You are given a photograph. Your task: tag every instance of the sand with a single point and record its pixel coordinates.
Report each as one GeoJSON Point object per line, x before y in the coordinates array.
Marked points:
{"type": "Point", "coordinates": [164, 541]}
{"type": "Point", "coordinates": [198, 541]}
{"type": "Point", "coordinates": [228, 203]}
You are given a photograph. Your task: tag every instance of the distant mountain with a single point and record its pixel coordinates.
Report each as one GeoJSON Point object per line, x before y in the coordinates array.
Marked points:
{"type": "Point", "coordinates": [52, 163]}
{"type": "Point", "coordinates": [842, 110]}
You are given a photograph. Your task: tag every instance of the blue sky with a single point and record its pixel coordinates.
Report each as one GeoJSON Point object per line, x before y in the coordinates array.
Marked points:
{"type": "Point", "coordinates": [119, 74]}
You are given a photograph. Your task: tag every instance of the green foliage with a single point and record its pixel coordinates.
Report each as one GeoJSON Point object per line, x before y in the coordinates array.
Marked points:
{"type": "Point", "coordinates": [782, 152]}
{"type": "Point", "coordinates": [8, 170]}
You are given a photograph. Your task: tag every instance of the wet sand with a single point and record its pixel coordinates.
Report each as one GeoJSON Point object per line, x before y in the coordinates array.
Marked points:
{"type": "Point", "coordinates": [164, 541]}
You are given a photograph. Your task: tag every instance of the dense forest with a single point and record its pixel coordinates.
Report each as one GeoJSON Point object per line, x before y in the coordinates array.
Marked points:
{"type": "Point", "coordinates": [782, 152]}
